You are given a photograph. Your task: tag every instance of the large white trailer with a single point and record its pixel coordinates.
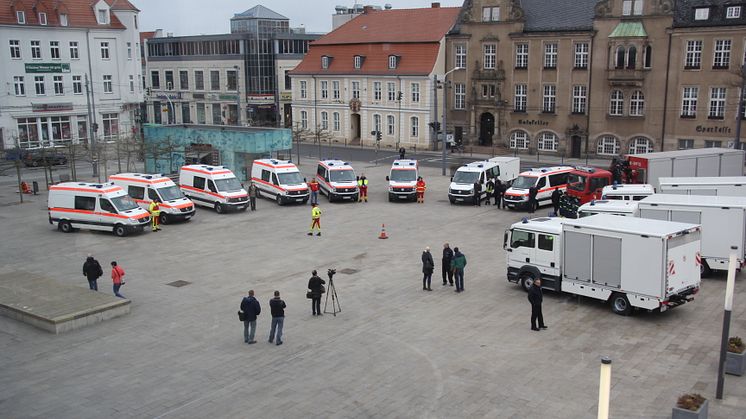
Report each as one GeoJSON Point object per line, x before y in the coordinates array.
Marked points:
{"type": "Point", "coordinates": [711, 186]}
{"type": "Point", "coordinates": [629, 262]}
{"type": "Point", "coordinates": [650, 167]}
{"type": "Point", "coordinates": [723, 221]}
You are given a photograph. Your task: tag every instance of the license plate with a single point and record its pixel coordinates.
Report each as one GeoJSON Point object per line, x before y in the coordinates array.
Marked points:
{"type": "Point", "coordinates": [402, 196]}
{"type": "Point", "coordinates": [345, 197]}
{"type": "Point", "coordinates": [459, 199]}
{"type": "Point", "coordinates": [299, 200]}
{"type": "Point", "coordinates": [187, 217]}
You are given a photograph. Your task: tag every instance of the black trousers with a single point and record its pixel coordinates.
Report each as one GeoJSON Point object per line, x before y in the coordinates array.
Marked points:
{"type": "Point", "coordinates": [477, 200]}
{"type": "Point", "coordinates": [253, 203]}
{"type": "Point", "coordinates": [446, 271]}
{"type": "Point", "coordinates": [536, 314]}
{"type": "Point", "coordinates": [556, 208]}
{"type": "Point", "coordinates": [316, 305]}
{"type": "Point", "coordinates": [426, 278]}
{"type": "Point", "coordinates": [532, 205]}
{"type": "Point", "coordinates": [499, 200]}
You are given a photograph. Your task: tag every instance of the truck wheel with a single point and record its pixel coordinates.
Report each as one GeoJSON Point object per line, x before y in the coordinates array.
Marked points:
{"type": "Point", "coordinates": [120, 230]}
{"type": "Point", "coordinates": [165, 219]}
{"type": "Point", "coordinates": [704, 269]}
{"type": "Point", "coordinates": [620, 304]}
{"type": "Point", "coordinates": [219, 208]}
{"type": "Point", "coordinates": [65, 226]}
{"type": "Point", "coordinates": [526, 280]}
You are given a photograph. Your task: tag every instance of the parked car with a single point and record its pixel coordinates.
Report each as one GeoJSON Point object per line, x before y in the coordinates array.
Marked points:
{"type": "Point", "coordinates": [35, 158]}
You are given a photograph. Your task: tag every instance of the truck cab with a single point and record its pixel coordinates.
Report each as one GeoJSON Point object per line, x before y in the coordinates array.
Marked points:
{"type": "Point", "coordinates": [587, 183]}
{"type": "Point", "coordinates": [403, 180]}
{"type": "Point", "coordinates": [145, 188]}
{"type": "Point", "coordinates": [533, 251]}
{"type": "Point", "coordinates": [280, 180]}
{"type": "Point", "coordinates": [337, 180]}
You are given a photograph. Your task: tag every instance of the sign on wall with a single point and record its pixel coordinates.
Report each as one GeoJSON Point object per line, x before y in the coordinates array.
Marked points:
{"type": "Point", "coordinates": [47, 68]}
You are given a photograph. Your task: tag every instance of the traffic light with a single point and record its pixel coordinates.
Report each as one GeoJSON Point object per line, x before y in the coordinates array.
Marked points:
{"type": "Point", "coordinates": [435, 126]}
{"type": "Point", "coordinates": [378, 135]}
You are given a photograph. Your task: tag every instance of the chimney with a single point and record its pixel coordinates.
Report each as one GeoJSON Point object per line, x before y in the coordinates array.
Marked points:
{"type": "Point", "coordinates": [367, 9]}
{"type": "Point", "coordinates": [435, 5]}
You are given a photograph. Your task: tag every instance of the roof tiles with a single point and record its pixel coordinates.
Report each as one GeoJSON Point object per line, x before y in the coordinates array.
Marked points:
{"type": "Point", "coordinates": [80, 13]}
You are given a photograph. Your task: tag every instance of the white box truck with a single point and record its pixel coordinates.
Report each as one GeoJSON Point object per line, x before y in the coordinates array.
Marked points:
{"type": "Point", "coordinates": [626, 261]}
{"type": "Point", "coordinates": [711, 186]}
{"type": "Point", "coordinates": [612, 207]}
{"type": "Point", "coordinates": [650, 167]}
{"type": "Point", "coordinates": [723, 221]}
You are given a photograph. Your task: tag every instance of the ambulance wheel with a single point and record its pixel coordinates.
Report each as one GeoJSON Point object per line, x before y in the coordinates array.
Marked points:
{"type": "Point", "coordinates": [620, 304]}
{"type": "Point", "coordinates": [120, 230]}
{"type": "Point", "coordinates": [65, 227]}
{"type": "Point", "coordinates": [704, 269]}
{"type": "Point", "coordinates": [526, 280]}
{"type": "Point", "coordinates": [165, 219]}
{"type": "Point", "coordinates": [278, 198]}
{"type": "Point", "coordinates": [453, 201]}
{"type": "Point", "coordinates": [219, 208]}
{"type": "Point", "coordinates": [329, 196]}
{"type": "Point", "coordinates": [391, 197]}
{"type": "Point", "coordinates": [305, 201]}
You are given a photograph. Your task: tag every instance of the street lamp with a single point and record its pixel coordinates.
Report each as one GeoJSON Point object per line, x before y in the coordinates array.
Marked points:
{"type": "Point", "coordinates": [445, 111]}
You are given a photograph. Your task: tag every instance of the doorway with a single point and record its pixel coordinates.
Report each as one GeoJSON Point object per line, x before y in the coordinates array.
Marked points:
{"type": "Point", "coordinates": [355, 127]}
{"type": "Point", "coordinates": [288, 111]}
{"type": "Point", "coordinates": [575, 145]}
{"type": "Point", "coordinates": [486, 128]}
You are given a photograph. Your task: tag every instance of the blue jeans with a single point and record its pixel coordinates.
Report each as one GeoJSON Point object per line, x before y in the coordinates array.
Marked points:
{"type": "Point", "coordinates": [314, 197]}
{"type": "Point", "coordinates": [277, 323]}
{"type": "Point", "coordinates": [116, 291]}
{"type": "Point", "coordinates": [459, 274]}
{"type": "Point", "coordinates": [248, 336]}
{"type": "Point", "coordinates": [92, 284]}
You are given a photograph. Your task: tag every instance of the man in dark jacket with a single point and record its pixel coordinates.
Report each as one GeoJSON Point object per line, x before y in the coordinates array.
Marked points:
{"type": "Point", "coordinates": [458, 264]}
{"type": "Point", "coordinates": [92, 271]}
{"type": "Point", "coordinates": [446, 261]}
{"type": "Point", "coordinates": [428, 266]}
{"type": "Point", "coordinates": [316, 284]}
{"type": "Point", "coordinates": [477, 194]}
{"type": "Point", "coordinates": [500, 189]}
{"type": "Point", "coordinates": [535, 297]}
{"type": "Point", "coordinates": [277, 307]}
{"type": "Point", "coordinates": [556, 195]}
{"type": "Point", "coordinates": [250, 308]}
{"type": "Point", "coordinates": [532, 203]}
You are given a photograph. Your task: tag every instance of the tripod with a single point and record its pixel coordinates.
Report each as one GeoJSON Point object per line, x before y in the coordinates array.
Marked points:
{"type": "Point", "coordinates": [336, 308]}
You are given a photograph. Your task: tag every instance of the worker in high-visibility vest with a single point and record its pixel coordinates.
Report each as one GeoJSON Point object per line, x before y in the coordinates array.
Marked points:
{"type": "Point", "coordinates": [420, 189]}
{"type": "Point", "coordinates": [155, 214]}
{"type": "Point", "coordinates": [362, 184]}
{"type": "Point", "coordinates": [315, 219]}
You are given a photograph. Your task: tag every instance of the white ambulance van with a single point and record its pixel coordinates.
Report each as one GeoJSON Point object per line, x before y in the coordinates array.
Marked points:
{"type": "Point", "coordinates": [213, 186]}
{"type": "Point", "coordinates": [403, 180]}
{"type": "Point", "coordinates": [144, 189]}
{"type": "Point", "coordinates": [613, 207]}
{"type": "Point", "coordinates": [337, 180]}
{"type": "Point", "coordinates": [627, 192]}
{"type": "Point", "coordinates": [461, 188]}
{"type": "Point", "coordinates": [545, 179]}
{"type": "Point", "coordinates": [279, 179]}
{"type": "Point", "coordinates": [95, 206]}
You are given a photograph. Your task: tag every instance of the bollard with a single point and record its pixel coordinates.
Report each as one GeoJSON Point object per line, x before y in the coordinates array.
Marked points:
{"type": "Point", "coordinates": [35, 187]}
{"type": "Point", "coordinates": [604, 388]}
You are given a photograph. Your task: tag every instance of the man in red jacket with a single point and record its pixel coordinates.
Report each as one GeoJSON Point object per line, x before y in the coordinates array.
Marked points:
{"type": "Point", "coordinates": [314, 186]}
{"type": "Point", "coordinates": [117, 277]}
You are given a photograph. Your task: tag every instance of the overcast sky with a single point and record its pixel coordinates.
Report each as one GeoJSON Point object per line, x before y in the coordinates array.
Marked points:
{"type": "Point", "coordinates": [194, 17]}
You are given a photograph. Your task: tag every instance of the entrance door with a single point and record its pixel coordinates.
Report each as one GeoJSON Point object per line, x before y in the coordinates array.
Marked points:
{"type": "Point", "coordinates": [288, 115]}
{"type": "Point", "coordinates": [576, 143]}
{"type": "Point", "coordinates": [355, 127]}
{"type": "Point", "coordinates": [486, 128]}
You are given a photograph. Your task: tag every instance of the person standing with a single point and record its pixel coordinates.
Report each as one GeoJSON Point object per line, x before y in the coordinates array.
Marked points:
{"type": "Point", "coordinates": [535, 297]}
{"type": "Point", "coordinates": [556, 195]}
{"type": "Point", "coordinates": [314, 187]}
{"type": "Point", "coordinates": [420, 189]}
{"type": "Point", "coordinates": [402, 152]}
{"type": "Point", "coordinates": [155, 214]}
{"type": "Point", "coordinates": [251, 309]}
{"type": "Point", "coordinates": [252, 195]}
{"type": "Point", "coordinates": [458, 264]}
{"type": "Point", "coordinates": [92, 271]}
{"type": "Point", "coordinates": [117, 278]}
{"type": "Point", "coordinates": [362, 184]}
{"type": "Point", "coordinates": [532, 204]}
{"type": "Point", "coordinates": [428, 266]}
{"type": "Point", "coordinates": [499, 193]}
{"type": "Point", "coordinates": [277, 307]}
{"type": "Point", "coordinates": [490, 191]}
{"type": "Point", "coordinates": [316, 285]}
{"type": "Point", "coordinates": [446, 261]}
{"type": "Point", "coordinates": [315, 219]}
{"type": "Point", "coordinates": [477, 194]}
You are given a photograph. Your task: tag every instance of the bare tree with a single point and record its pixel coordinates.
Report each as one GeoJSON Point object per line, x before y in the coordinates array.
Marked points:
{"type": "Point", "coordinates": [299, 134]}
{"type": "Point", "coordinates": [320, 134]}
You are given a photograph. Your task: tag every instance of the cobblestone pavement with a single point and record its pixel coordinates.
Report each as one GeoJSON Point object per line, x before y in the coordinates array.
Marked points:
{"type": "Point", "coordinates": [394, 351]}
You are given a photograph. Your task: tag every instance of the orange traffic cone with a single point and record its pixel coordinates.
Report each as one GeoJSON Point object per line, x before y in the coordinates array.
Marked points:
{"type": "Point", "coordinates": [383, 232]}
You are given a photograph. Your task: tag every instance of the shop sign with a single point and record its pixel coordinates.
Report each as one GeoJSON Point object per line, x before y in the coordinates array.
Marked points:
{"type": "Point", "coordinates": [171, 96]}
{"type": "Point", "coordinates": [51, 107]}
{"type": "Point", "coordinates": [259, 99]}
{"type": "Point", "coordinates": [286, 96]}
{"type": "Point", "coordinates": [712, 130]}
{"type": "Point", "coordinates": [47, 68]}
{"type": "Point", "coordinates": [535, 122]}
{"type": "Point", "coordinates": [228, 97]}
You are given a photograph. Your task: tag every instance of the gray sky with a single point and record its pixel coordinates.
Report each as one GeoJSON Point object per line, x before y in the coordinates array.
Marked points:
{"type": "Point", "coordinates": [194, 17]}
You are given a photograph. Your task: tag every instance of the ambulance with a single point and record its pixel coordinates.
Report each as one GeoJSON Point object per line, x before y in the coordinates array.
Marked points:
{"type": "Point", "coordinates": [94, 206]}
{"type": "Point", "coordinates": [280, 180]}
{"type": "Point", "coordinates": [337, 180]}
{"type": "Point", "coordinates": [403, 180]}
{"type": "Point", "coordinates": [545, 179]}
{"type": "Point", "coordinates": [144, 188]}
{"type": "Point", "coordinates": [213, 186]}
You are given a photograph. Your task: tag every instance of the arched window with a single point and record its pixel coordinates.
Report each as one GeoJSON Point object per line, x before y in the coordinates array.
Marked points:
{"type": "Point", "coordinates": [632, 57]}
{"type": "Point", "coordinates": [415, 122]}
{"type": "Point", "coordinates": [519, 140]}
{"type": "Point", "coordinates": [620, 57]}
{"type": "Point", "coordinates": [547, 141]}
{"type": "Point", "coordinates": [616, 104]}
{"type": "Point", "coordinates": [608, 145]}
{"type": "Point", "coordinates": [304, 119]}
{"type": "Point", "coordinates": [390, 125]}
{"type": "Point", "coordinates": [377, 123]}
{"type": "Point", "coordinates": [325, 120]}
{"type": "Point", "coordinates": [648, 59]}
{"type": "Point", "coordinates": [637, 103]}
{"type": "Point", "coordinates": [640, 145]}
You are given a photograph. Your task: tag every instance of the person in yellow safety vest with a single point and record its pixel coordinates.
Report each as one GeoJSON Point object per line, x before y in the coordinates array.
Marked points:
{"type": "Point", "coordinates": [155, 213]}
{"type": "Point", "coordinates": [315, 219]}
{"type": "Point", "coordinates": [362, 184]}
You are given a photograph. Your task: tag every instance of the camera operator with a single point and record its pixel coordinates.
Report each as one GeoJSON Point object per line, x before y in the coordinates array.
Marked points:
{"type": "Point", "coordinates": [316, 285]}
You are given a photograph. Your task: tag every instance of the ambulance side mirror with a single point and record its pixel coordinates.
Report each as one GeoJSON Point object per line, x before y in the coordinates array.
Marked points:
{"type": "Point", "coordinates": [387, 178]}
{"type": "Point", "coordinates": [451, 178]}
{"type": "Point", "coordinates": [304, 180]}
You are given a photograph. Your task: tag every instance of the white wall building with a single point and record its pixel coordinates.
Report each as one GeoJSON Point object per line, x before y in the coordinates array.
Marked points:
{"type": "Point", "coordinates": [48, 49]}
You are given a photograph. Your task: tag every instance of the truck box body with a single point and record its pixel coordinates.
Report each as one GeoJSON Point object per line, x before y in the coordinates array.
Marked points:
{"type": "Point", "coordinates": [695, 162]}
{"type": "Point", "coordinates": [711, 186]}
{"type": "Point", "coordinates": [723, 221]}
{"type": "Point", "coordinates": [509, 168]}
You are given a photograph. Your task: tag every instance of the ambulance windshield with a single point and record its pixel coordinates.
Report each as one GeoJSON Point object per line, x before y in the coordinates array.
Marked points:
{"type": "Point", "coordinates": [124, 203]}
{"type": "Point", "coordinates": [169, 193]}
{"type": "Point", "coordinates": [230, 184]}
{"type": "Point", "coordinates": [403, 175]}
{"type": "Point", "coordinates": [524, 182]}
{"type": "Point", "coordinates": [465, 177]}
{"type": "Point", "coordinates": [345, 175]}
{"type": "Point", "coordinates": [291, 178]}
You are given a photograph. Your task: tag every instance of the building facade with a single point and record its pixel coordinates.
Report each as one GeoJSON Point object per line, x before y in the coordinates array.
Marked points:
{"type": "Point", "coordinates": [372, 75]}
{"type": "Point", "coordinates": [59, 57]}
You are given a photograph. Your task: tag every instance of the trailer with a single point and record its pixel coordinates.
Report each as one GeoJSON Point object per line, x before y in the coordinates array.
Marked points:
{"type": "Point", "coordinates": [711, 186]}
{"type": "Point", "coordinates": [723, 221]}
{"type": "Point", "coordinates": [626, 261]}
{"type": "Point", "coordinates": [696, 162]}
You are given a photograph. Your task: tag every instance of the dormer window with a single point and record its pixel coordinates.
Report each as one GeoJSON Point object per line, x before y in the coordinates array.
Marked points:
{"type": "Point", "coordinates": [63, 19]}
{"type": "Point", "coordinates": [632, 7]}
{"type": "Point", "coordinates": [325, 61]}
{"type": "Point", "coordinates": [733, 12]}
{"type": "Point", "coordinates": [103, 16]}
{"type": "Point", "coordinates": [393, 61]}
{"type": "Point", "coordinates": [42, 18]}
{"type": "Point", "coordinates": [358, 62]}
{"type": "Point", "coordinates": [702, 13]}
{"type": "Point", "coordinates": [21, 17]}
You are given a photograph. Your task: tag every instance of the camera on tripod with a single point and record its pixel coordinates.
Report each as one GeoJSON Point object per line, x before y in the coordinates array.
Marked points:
{"type": "Point", "coordinates": [331, 273]}
{"type": "Point", "coordinates": [336, 308]}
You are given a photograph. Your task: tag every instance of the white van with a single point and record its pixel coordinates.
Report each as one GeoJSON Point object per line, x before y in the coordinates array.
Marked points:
{"type": "Point", "coordinates": [627, 192]}
{"type": "Point", "coordinates": [462, 182]}
{"type": "Point", "coordinates": [213, 186]}
{"type": "Point", "coordinates": [613, 207]}
{"type": "Point", "coordinates": [95, 206]}
{"type": "Point", "coordinates": [713, 186]}
{"type": "Point", "coordinates": [337, 180]}
{"type": "Point", "coordinates": [144, 188]}
{"type": "Point", "coordinates": [403, 180]}
{"type": "Point", "coordinates": [545, 179]}
{"type": "Point", "coordinates": [280, 180]}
